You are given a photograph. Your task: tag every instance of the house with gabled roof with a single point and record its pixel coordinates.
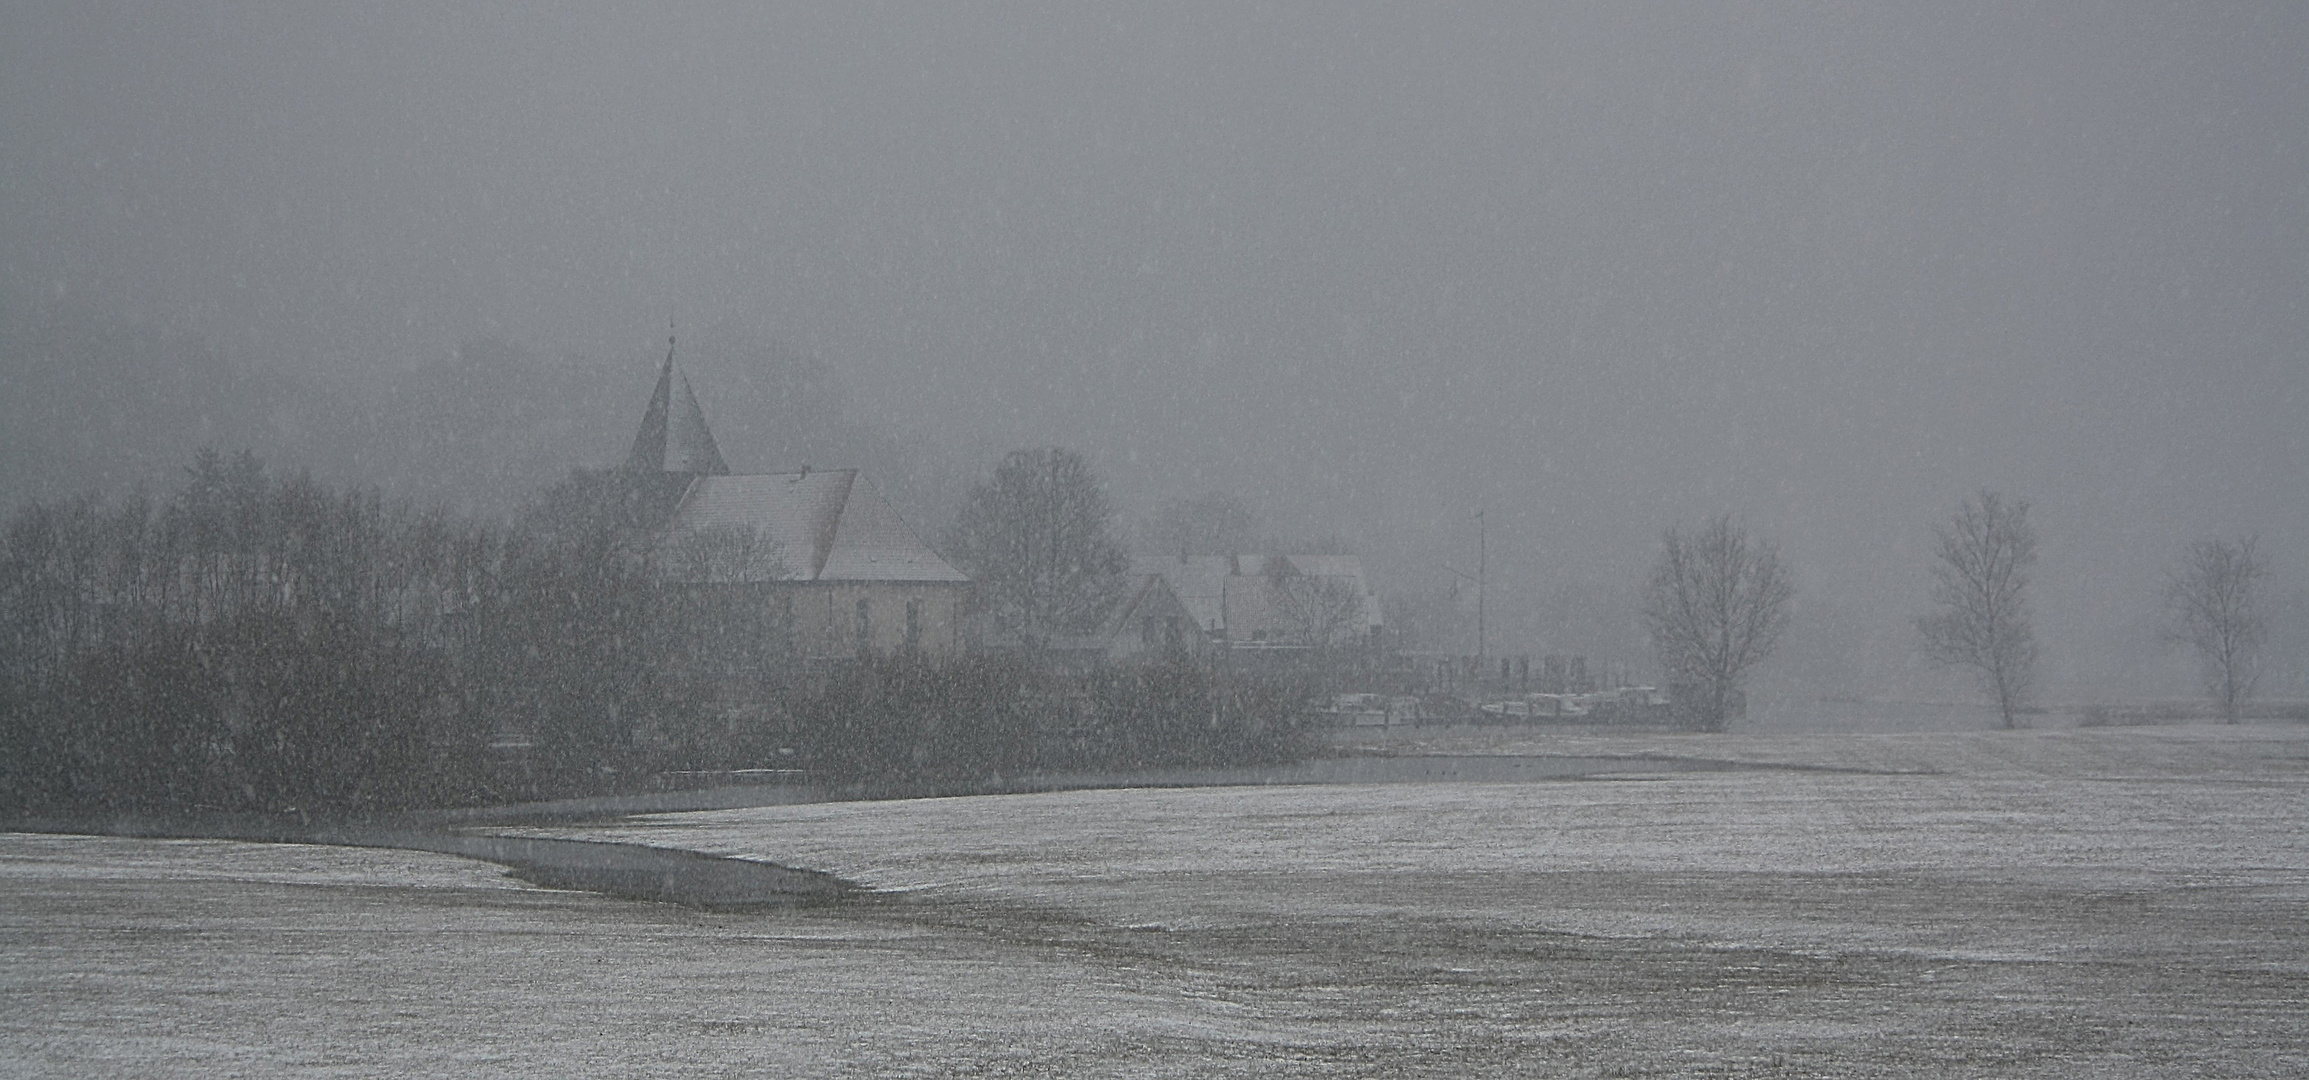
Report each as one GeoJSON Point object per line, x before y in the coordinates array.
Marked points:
{"type": "Point", "coordinates": [1286, 608]}
{"type": "Point", "coordinates": [846, 575]}
{"type": "Point", "coordinates": [1148, 624]}
{"type": "Point", "coordinates": [1268, 600]}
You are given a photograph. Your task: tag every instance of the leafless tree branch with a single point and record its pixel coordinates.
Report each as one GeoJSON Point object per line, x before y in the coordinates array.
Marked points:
{"type": "Point", "coordinates": [1980, 586]}
{"type": "Point", "coordinates": [1716, 605]}
{"type": "Point", "coordinates": [2215, 605]}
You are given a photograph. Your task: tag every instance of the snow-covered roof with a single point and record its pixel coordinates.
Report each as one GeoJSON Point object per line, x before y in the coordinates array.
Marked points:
{"type": "Point", "coordinates": [1199, 582]}
{"type": "Point", "coordinates": [825, 525]}
{"type": "Point", "coordinates": [1229, 592]}
{"type": "Point", "coordinates": [1146, 595]}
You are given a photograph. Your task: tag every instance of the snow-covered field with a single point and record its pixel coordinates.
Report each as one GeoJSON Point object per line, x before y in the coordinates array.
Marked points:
{"type": "Point", "coordinates": [2085, 903]}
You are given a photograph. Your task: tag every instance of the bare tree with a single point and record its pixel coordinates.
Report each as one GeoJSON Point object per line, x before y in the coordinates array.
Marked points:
{"type": "Point", "coordinates": [1322, 610]}
{"type": "Point", "coordinates": [1212, 524]}
{"type": "Point", "coordinates": [1716, 605]}
{"type": "Point", "coordinates": [2215, 603]}
{"type": "Point", "coordinates": [1980, 586]}
{"type": "Point", "coordinates": [722, 555]}
{"type": "Point", "coordinates": [1036, 538]}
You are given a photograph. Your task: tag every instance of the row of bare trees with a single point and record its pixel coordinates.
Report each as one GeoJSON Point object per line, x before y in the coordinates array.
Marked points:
{"type": "Point", "coordinates": [268, 644]}
{"type": "Point", "coordinates": [896, 724]}
{"type": "Point", "coordinates": [251, 643]}
{"type": "Point", "coordinates": [2213, 602]}
{"type": "Point", "coordinates": [1717, 602]}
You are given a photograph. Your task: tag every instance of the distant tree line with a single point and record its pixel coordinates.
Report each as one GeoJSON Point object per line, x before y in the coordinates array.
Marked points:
{"type": "Point", "coordinates": [1717, 602]}
{"type": "Point", "coordinates": [253, 643]}
{"type": "Point", "coordinates": [265, 643]}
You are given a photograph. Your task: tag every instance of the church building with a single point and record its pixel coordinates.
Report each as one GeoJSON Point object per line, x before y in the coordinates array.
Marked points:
{"type": "Point", "coordinates": [848, 577]}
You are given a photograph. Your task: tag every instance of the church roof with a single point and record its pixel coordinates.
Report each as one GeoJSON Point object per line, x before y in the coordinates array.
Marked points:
{"type": "Point", "coordinates": [673, 436]}
{"type": "Point", "coordinates": [823, 525]}
{"type": "Point", "coordinates": [826, 525]}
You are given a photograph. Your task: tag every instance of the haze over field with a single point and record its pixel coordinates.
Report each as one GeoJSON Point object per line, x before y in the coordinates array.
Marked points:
{"type": "Point", "coordinates": [1595, 269]}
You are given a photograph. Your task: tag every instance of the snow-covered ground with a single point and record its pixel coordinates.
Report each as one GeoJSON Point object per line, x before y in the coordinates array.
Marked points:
{"type": "Point", "coordinates": [2087, 903]}
{"type": "Point", "coordinates": [2195, 750]}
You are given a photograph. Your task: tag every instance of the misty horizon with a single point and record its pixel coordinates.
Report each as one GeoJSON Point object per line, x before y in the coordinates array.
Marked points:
{"type": "Point", "coordinates": [1592, 271]}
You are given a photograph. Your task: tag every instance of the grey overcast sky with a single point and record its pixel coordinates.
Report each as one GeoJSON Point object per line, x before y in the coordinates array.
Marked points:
{"type": "Point", "coordinates": [1598, 268]}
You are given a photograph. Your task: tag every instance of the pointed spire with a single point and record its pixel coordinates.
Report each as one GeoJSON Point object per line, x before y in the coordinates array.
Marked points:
{"type": "Point", "coordinates": [674, 436]}
{"type": "Point", "coordinates": [689, 444]}
{"type": "Point", "coordinates": [649, 445]}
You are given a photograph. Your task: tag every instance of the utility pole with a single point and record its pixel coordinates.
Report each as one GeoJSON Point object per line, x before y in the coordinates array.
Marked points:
{"type": "Point", "coordinates": [1482, 573]}
{"type": "Point", "coordinates": [1481, 565]}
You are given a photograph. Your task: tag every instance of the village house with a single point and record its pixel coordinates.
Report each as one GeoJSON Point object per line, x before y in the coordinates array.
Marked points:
{"type": "Point", "coordinates": [1273, 600]}
{"type": "Point", "coordinates": [1247, 602]}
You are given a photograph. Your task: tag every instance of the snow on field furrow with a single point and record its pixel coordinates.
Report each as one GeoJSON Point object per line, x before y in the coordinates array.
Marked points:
{"type": "Point", "coordinates": [26, 855]}
{"type": "Point", "coordinates": [544, 983]}
{"type": "Point", "coordinates": [2007, 868]}
{"type": "Point", "coordinates": [1809, 823]}
{"type": "Point", "coordinates": [1993, 923]}
{"type": "Point", "coordinates": [2180, 751]}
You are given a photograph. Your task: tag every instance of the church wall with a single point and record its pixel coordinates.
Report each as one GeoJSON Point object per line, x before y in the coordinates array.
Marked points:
{"type": "Point", "coordinates": [826, 618]}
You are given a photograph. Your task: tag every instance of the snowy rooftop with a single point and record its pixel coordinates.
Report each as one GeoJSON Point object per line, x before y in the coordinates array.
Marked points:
{"type": "Point", "coordinates": [826, 525]}
{"type": "Point", "coordinates": [1229, 592]}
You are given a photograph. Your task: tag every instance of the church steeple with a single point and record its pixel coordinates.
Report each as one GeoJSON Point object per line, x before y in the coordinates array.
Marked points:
{"type": "Point", "coordinates": [673, 436]}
